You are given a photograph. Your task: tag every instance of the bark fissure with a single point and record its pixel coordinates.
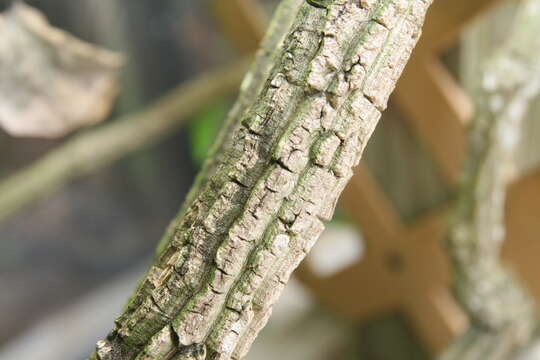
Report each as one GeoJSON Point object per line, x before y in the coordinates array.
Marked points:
{"type": "Point", "coordinates": [262, 203]}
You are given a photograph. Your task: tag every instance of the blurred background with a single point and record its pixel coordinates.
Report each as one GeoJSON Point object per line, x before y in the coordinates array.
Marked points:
{"type": "Point", "coordinates": [69, 260]}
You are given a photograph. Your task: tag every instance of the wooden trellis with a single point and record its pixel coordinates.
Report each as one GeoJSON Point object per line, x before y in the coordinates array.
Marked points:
{"type": "Point", "coordinates": [405, 267]}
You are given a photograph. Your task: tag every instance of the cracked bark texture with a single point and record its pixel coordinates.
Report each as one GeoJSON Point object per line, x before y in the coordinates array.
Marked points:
{"type": "Point", "coordinates": [501, 312]}
{"type": "Point", "coordinates": [306, 111]}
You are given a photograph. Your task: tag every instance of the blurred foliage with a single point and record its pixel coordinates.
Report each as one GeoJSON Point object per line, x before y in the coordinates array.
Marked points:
{"type": "Point", "coordinates": [203, 130]}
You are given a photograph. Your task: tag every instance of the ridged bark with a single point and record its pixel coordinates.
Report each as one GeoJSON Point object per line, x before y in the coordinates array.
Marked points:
{"type": "Point", "coordinates": [501, 312]}
{"type": "Point", "coordinates": [260, 204]}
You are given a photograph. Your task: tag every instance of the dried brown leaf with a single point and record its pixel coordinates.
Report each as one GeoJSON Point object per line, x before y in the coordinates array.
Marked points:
{"type": "Point", "coordinates": [51, 82]}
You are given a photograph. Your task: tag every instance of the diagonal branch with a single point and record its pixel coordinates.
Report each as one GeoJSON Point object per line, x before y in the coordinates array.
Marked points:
{"type": "Point", "coordinates": [102, 146]}
{"type": "Point", "coordinates": [261, 203]}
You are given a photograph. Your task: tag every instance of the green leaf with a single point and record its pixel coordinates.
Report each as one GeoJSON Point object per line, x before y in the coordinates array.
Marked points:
{"type": "Point", "coordinates": [204, 129]}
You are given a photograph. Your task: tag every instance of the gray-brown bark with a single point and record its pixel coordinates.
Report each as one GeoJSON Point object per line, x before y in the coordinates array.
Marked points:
{"type": "Point", "coordinates": [260, 204]}
{"type": "Point", "coordinates": [501, 312]}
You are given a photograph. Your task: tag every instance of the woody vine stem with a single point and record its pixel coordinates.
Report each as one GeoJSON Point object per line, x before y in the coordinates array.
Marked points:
{"type": "Point", "coordinates": [305, 114]}
{"type": "Point", "coordinates": [501, 312]}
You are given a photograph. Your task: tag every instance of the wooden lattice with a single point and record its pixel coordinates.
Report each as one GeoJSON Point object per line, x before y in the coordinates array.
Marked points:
{"type": "Point", "coordinates": [405, 267]}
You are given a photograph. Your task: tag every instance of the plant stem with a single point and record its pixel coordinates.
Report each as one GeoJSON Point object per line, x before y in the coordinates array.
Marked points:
{"type": "Point", "coordinates": [279, 171]}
